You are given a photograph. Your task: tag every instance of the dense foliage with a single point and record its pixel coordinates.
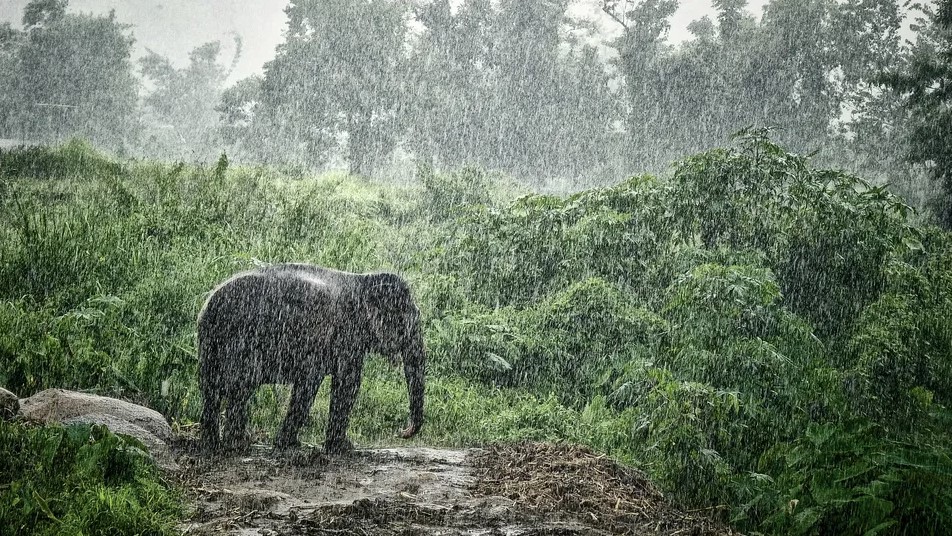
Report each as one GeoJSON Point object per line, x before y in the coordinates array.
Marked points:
{"type": "Point", "coordinates": [80, 480]}
{"type": "Point", "coordinates": [67, 75]}
{"type": "Point", "coordinates": [766, 339]}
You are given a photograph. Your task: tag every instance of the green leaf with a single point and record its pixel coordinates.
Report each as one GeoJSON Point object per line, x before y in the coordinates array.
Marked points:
{"type": "Point", "coordinates": [499, 361]}
{"type": "Point", "coordinates": [880, 527]}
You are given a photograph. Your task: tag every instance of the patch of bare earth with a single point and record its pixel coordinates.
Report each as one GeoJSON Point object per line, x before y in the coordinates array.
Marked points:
{"type": "Point", "coordinates": [527, 489]}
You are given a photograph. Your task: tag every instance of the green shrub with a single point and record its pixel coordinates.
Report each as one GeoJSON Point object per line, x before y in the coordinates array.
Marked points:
{"type": "Point", "coordinates": [542, 243]}
{"type": "Point", "coordinates": [80, 480]}
{"type": "Point", "coordinates": [75, 159]}
{"type": "Point", "coordinates": [730, 329]}
{"type": "Point", "coordinates": [847, 478]}
{"type": "Point", "coordinates": [901, 347]}
{"type": "Point", "coordinates": [569, 343]}
{"type": "Point", "coordinates": [78, 349]}
{"type": "Point", "coordinates": [445, 194]}
{"type": "Point", "coordinates": [826, 234]}
{"type": "Point", "coordinates": [745, 331]}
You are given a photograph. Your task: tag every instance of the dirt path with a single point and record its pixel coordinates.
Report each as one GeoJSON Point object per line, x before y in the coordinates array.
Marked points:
{"type": "Point", "coordinates": [520, 490]}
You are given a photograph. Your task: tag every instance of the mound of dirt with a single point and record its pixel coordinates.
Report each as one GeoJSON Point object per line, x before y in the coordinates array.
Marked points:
{"type": "Point", "coordinates": [526, 489]}
{"type": "Point", "coordinates": [573, 483]}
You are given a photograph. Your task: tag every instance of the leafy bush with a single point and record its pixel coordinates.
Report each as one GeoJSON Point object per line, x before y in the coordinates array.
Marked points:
{"type": "Point", "coordinates": [746, 330]}
{"type": "Point", "coordinates": [826, 234]}
{"type": "Point", "coordinates": [847, 478]}
{"type": "Point", "coordinates": [902, 345]}
{"type": "Point", "coordinates": [75, 159]}
{"type": "Point", "coordinates": [570, 342]}
{"type": "Point", "coordinates": [730, 329]}
{"type": "Point", "coordinates": [41, 348]}
{"type": "Point", "coordinates": [444, 194]}
{"type": "Point", "coordinates": [542, 243]}
{"type": "Point", "coordinates": [80, 480]}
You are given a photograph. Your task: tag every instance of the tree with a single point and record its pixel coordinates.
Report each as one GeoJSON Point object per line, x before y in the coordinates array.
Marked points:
{"type": "Point", "coordinates": [640, 47]}
{"type": "Point", "coordinates": [452, 74]}
{"type": "Point", "coordinates": [801, 69]}
{"type": "Point", "coordinates": [73, 76]}
{"type": "Point", "coordinates": [338, 72]}
{"type": "Point", "coordinates": [238, 113]}
{"type": "Point", "coordinates": [926, 88]}
{"type": "Point", "coordinates": [452, 84]}
{"type": "Point", "coordinates": [182, 116]}
{"type": "Point", "coordinates": [730, 15]}
{"type": "Point", "coordinates": [10, 40]}
{"type": "Point", "coordinates": [586, 140]}
{"type": "Point", "coordinates": [529, 93]}
{"type": "Point", "coordinates": [504, 87]}
{"type": "Point", "coordinates": [39, 13]}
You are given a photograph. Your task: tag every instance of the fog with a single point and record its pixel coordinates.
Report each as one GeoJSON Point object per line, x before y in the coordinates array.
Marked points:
{"type": "Point", "coordinates": [710, 241]}
{"type": "Point", "coordinates": [172, 28]}
{"type": "Point", "coordinates": [574, 93]}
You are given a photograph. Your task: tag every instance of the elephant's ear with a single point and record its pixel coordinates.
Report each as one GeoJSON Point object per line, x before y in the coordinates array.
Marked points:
{"type": "Point", "coordinates": [387, 291]}
{"type": "Point", "coordinates": [386, 297]}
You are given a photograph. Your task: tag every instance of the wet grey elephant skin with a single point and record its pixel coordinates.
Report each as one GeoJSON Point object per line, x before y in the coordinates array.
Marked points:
{"type": "Point", "coordinates": [295, 324]}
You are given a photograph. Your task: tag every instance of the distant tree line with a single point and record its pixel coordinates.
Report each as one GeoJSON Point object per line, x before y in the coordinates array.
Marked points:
{"type": "Point", "coordinates": [512, 85]}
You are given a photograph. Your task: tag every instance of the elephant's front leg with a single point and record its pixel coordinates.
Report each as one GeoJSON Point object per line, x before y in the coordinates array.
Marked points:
{"type": "Point", "coordinates": [344, 388]}
{"type": "Point", "coordinates": [300, 407]}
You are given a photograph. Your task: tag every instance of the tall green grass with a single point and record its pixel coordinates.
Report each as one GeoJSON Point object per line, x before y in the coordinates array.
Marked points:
{"type": "Point", "coordinates": [751, 331]}
{"type": "Point", "coordinates": [80, 480]}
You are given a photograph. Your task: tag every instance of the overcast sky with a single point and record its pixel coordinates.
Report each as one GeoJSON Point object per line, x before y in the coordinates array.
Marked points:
{"type": "Point", "coordinates": [174, 27]}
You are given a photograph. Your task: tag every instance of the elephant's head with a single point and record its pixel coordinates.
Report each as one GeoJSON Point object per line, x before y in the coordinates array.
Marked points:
{"type": "Point", "coordinates": [395, 332]}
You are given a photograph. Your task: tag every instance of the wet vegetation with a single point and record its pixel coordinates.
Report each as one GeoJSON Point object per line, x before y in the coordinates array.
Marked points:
{"type": "Point", "coordinates": [80, 480]}
{"type": "Point", "coordinates": [763, 338]}
{"type": "Point", "coordinates": [767, 336]}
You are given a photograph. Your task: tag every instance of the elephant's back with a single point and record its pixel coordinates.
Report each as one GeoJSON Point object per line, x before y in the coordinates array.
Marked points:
{"type": "Point", "coordinates": [332, 282]}
{"type": "Point", "coordinates": [267, 319]}
{"type": "Point", "coordinates": [261, 327]}
{"type": "Point", "coordinates": [261, 298]}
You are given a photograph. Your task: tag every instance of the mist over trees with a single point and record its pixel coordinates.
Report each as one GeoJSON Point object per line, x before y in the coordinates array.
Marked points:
{"type": "Point", "coordinates": [378, 86]}
{"type": "Point", "coordinates": [68, 75]}
{"type": "Point", "coordinates": [180, 116]}
{"type": "Point", "coordinates": [924, 82]}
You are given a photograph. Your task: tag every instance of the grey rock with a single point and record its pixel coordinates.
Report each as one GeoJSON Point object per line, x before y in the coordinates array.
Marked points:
{"type": "Point", "coordinates": [59, 405]}
{"type": "Point", "coordinates": [9, 404]}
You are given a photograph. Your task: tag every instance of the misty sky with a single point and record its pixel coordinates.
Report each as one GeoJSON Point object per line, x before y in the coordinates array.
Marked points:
{"type": "Point", "coordinates": [174, 27]}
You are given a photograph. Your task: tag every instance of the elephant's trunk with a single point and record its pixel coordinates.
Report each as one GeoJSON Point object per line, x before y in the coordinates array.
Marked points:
{"type": "Point", "coordinates": [414, 368]}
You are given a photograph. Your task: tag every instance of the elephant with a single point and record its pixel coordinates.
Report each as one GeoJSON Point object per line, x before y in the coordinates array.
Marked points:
{"type": "Point", "coordinates": [296, 323]}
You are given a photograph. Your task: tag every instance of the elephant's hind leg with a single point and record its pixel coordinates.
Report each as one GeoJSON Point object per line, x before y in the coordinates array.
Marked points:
{"type": "Point", "coordinates": [235, 435]}
{"type": "Point", "coordinates": [211, 406]}
{"type": "Point", "coordinates": [300, 407]}
{"type": "Point", "coordinates": [209, 356]}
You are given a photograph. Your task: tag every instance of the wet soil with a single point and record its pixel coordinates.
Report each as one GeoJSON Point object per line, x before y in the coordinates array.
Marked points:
{"type": "Point", "coordinates": [527, 489]}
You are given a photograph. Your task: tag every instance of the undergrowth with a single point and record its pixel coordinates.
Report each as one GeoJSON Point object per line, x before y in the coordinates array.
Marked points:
{"type": "Point", "coordinates": [80, 479]}
{"type": "Point", "coordinates": [767, 340]}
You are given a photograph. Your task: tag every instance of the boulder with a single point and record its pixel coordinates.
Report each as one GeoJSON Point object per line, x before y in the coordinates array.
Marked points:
{"type": "Point", "coordinates": [60, 405]}
{"type": "Point", "coordinates": [9, 404]}
{"type": "Point", "coordinates": [157, 448]}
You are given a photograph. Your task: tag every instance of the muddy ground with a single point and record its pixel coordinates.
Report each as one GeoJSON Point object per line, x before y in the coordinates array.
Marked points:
{"type": "Point", "coordinates": [515, 490]}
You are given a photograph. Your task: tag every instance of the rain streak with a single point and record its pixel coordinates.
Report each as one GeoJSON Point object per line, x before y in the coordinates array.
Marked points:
{"type": "Point", "coordinates": [475, 267]}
